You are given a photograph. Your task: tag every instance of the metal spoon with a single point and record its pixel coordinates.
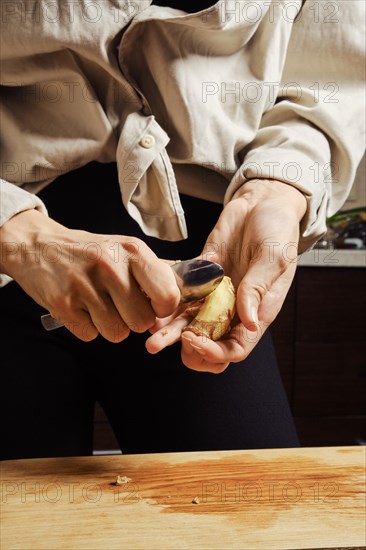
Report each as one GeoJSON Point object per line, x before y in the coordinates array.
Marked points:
{"type": "Point", "coordinates": [196, 279]}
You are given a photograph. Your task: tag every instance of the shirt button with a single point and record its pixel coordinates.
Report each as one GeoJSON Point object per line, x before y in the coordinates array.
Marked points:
{"type": "Point", "coordinates": [147, 141]}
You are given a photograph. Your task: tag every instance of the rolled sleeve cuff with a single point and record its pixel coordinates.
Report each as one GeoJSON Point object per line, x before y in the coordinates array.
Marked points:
{"type": "Point", "coordinates": [13, 200]}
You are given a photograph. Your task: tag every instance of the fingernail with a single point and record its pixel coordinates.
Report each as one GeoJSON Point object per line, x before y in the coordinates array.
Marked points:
{"type": "Point", "coordinates": [254, 314]}
{"type": "Point", "coordinates": [252, 327]}
{"type": "Point", "coordinates": [186, 338]}
{"type": "Point", "coordinates": [198, 349]}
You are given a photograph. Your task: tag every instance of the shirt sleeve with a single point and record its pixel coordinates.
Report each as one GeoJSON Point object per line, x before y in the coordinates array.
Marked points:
{"type": "Point", "coordinates": [13, 200]}
{"type": "Point", "coordinates": [313, 137]}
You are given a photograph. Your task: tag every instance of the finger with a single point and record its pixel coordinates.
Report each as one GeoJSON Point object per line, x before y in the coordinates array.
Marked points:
{"type": "Point", "coordinates": [201, 353]}
{"type": "Point", "coordinates": [164, 321]}
{"type": "Point", "coordinates": [132, 304]}
{"type": "Point", "coordinates": [107, 319]}
{"type": "Point", "coordinates": [167, 335]}
{"type": "Point", "coordinates": [157, 280]}
{"type": "Point", "coordinates": [161, 323]}
{"type": "Point", "coordinates": [257, 282]}
{"type": "Point", "coordinates": [195, 359]}
{"type": "Point", "coordinates": [80, 324]}
{"type": "Point", "coordinates": [272, 303]}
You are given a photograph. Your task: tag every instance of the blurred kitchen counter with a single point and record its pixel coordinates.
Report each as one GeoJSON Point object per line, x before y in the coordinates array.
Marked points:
{"type": "Point", "coordinates": [319, 337]}
{"type": "Point", "coordinates": [333, 258]}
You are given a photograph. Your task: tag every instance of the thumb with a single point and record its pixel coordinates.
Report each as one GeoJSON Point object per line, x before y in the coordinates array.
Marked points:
{"type": "Point", "coordinates": [255, 285]}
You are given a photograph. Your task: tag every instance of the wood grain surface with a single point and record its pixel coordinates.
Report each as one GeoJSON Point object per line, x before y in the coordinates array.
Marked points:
{"type": "Point", "coordinates": [256, 499]}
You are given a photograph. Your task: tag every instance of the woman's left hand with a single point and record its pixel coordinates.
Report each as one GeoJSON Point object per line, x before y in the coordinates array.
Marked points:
{"type": "Point", "coordinates": [256, 241]}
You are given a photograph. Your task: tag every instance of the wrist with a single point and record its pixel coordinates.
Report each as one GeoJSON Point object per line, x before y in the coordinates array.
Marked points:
{"type": "Point", "coordinates": [20, 239]}
{"type": "Point", "coordinates": [258, 190]}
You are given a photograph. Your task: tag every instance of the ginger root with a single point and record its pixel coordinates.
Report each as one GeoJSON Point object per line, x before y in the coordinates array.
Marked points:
{"type": "Point", "coordinates": [214, 316]}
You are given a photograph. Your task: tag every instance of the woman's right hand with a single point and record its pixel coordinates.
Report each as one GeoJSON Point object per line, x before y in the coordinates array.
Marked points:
{"type": "Point", "coordinates": [92, 283]}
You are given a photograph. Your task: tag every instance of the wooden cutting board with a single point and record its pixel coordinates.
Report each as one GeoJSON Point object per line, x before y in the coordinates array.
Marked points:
{"type": "Point", "coordinates": [255, 499]}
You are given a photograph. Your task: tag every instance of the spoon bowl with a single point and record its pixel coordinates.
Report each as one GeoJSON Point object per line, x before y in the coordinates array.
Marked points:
{"type": "Point", "coordinates": [197, 278]}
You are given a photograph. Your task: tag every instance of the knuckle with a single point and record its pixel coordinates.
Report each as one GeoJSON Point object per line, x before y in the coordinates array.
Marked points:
{"type": "Point", "coordinates": [132, 249]}
{"type": "Point", "coordinates": [169, 304]}
{"type": "Point", "coordinates": [168, 300]}
{"type": "Point", "coordinates": [258, 289]}
{"type": "Point", "coordinates": [104, 265]}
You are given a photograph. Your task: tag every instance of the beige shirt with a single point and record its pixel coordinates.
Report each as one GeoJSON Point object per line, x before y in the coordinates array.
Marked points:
{"type": "Point", "coordinates": [184, 103]}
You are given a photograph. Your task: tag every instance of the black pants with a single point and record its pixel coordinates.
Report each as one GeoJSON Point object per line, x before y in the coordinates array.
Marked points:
{"type": "Point", "coordinates": [50, 380]}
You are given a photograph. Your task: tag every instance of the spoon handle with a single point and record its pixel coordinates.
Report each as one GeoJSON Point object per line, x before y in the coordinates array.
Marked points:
{"type": "Point", "coordinates": [49, 322]}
